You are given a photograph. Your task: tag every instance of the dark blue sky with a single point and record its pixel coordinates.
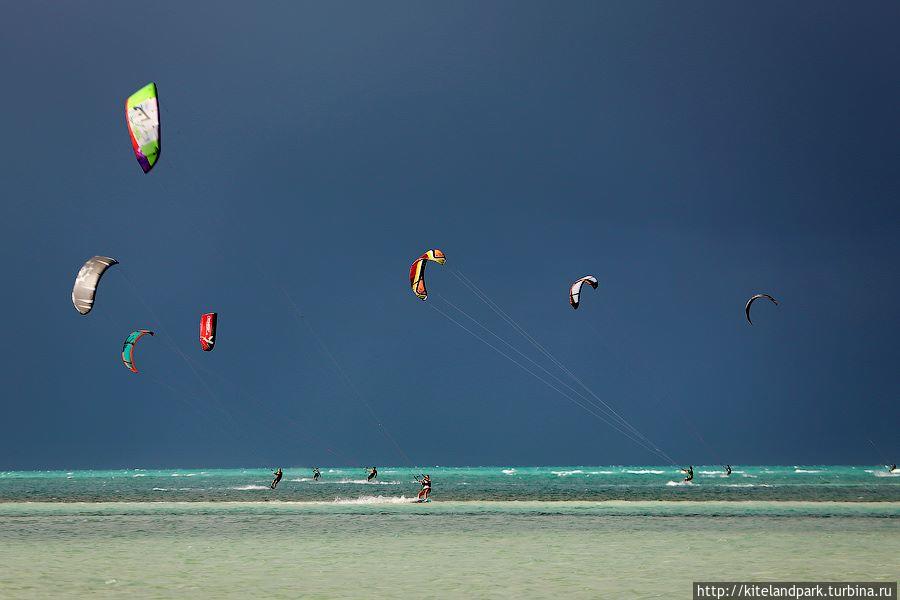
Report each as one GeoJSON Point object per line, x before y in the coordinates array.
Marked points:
{"type": "Point", "coordinates": [687, 154]}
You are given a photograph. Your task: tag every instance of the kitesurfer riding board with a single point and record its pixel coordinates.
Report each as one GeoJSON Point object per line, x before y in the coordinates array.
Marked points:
{"type": "Point", "coordinates": [278, 475]}
{"type": "Point", "coordinates": [426, 488]}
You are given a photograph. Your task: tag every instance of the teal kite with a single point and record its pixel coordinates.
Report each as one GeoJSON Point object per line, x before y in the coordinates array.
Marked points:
{"type": "Point", "coordinates": [128, 347]}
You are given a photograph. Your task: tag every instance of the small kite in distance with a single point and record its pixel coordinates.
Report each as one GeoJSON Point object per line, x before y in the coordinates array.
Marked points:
{"type": "Point", "coordinates": [417, 271]}
{"type": "Point", "coordinates": [208, 331]}
{"type": "Point", "coordinates": [87, 280]}
{"type": "Point", "coordinates": [753, 299]}
{"type": "Point", "coordinates": [128, 347]}
{"type": "Point", "coordinates": [142, 118]}
{"type": "Point", "coordinates": [575, 290]}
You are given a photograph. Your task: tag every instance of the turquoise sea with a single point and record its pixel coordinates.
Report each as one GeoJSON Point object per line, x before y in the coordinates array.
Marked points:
{"type": "Point", "coordinates": [505, 532]}
{"type": "Point", "coordinates": [395, 484]}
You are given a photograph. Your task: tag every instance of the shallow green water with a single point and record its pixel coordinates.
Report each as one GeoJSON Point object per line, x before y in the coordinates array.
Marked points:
{"type": "Point", "coordinates": [619, 549]}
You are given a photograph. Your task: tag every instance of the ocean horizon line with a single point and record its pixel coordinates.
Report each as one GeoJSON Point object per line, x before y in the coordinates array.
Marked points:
{"type": "Point", "coordinates": [310, 466]}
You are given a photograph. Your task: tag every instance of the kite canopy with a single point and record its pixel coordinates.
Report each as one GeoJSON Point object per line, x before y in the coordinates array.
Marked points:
{"type": "Point", "coordinates": [128, 347]}
{"type": "Point", "coordinates": [142, 118]}
{"type": "Point", "coordinates": [87, 280]}
{"type": "Point", "coordinates": [208, 331]}
{"type": "Point", "coordinates": [575, 290]}
{"type": "Point", "coordinates": [753, 299]}
{"type": "Point", "coordinates": [417, 271]}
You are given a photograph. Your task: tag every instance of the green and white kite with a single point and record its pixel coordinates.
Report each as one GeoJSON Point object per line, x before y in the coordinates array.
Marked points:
{"type": "Point", "coordinates": [142, 117]}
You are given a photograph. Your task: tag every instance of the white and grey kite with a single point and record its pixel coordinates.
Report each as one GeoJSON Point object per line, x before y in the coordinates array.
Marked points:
{"type": "Point", "coordinates": [575, 290]}
{"type": "Point", "coordinates": [87, 280]}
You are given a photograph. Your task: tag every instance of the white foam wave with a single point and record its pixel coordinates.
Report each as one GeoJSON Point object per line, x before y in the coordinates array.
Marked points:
{"type": "Point", "coordinates": [250, 487]}
{"type": "Point", "coordinates": [714, 474]}
{"type": "Point", "coordinates": [375, 500]}
{"type": "Point", "coordinates": [679, 483]}
{"type": "Point", "coordinates": [509, 471]}
{"type": "Point", "coordinates": [646, 472]}
{"type": "Point", "coordinates": [138, 475]}
{"type": "Point", "coordinates": [747, 485]}
{"type": "Point", "coordinates": [886, 474]}
{"type": "Point", "coordinates": [348, 481]}
{"type": "Point", "coordinates": [580, 472]}
{"type": "Point", "coordinates": [806, 471]}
